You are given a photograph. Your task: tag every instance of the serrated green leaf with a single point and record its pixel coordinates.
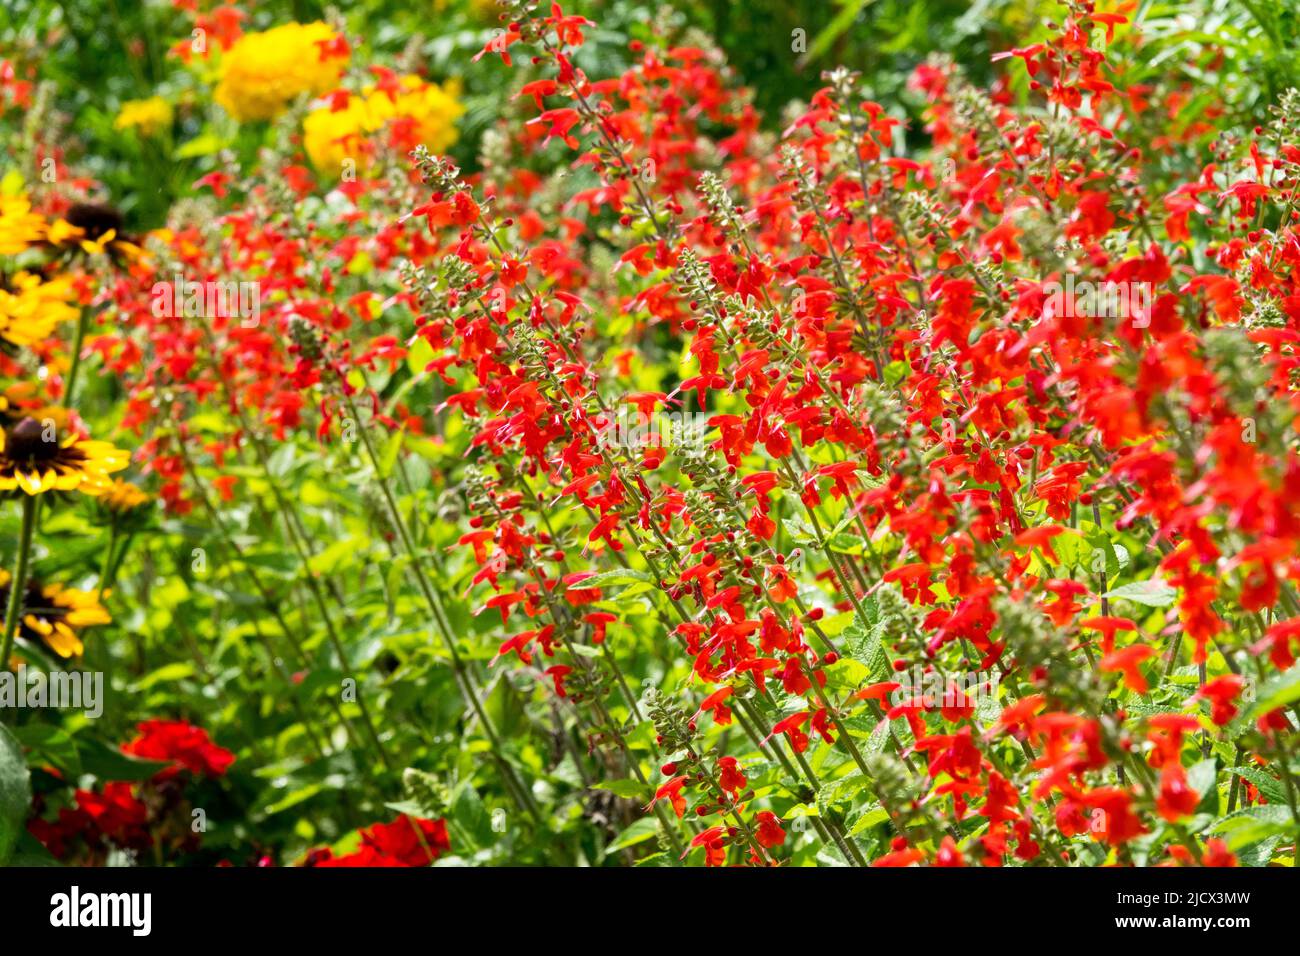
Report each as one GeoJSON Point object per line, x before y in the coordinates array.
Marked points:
{"type": "Point", "coordinates": [1248, 826]}
{"type": "Point", "coordinates": [870, 817]}
{"type": "Point", "coordinates": [606, 578]}
{"type": "Point", "coordinates": [1270, 787]}
{"type": "Point", "coordinates": [865, 645]}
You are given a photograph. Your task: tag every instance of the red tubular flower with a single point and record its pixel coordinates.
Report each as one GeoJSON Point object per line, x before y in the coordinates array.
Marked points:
{"type": "Point", "coordinates": [1221, 692]}
{"type": "Point", "coordinates": [714, 841]}
{"type": "Point", "coordinates": [672, 792]}
{"type": "Point", "coordinates": [768, 831]}
{"type": "Point", "coordinates": [1126, 661]}
{"type": "Point", "coordinates": [1113, 819]}
{"type": "Point", "coordinates": [1176, 798]}
{"type": "Point", "coordinates": [730, 778]}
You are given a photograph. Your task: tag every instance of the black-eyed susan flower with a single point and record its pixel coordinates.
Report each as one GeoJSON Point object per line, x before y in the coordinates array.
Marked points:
{"type": "Point", "coordinates": [94, 228]}
{"type": "Point", "coordinates": [23, 400]}
{"type": "Point", "coordinates": [38, 456]}
{"type": "Point", "coordinates": [30, 310]}
{"type": "Point", "coordinates": [20, 227]}
{"type": "Point", "coordinates": [54, 616]}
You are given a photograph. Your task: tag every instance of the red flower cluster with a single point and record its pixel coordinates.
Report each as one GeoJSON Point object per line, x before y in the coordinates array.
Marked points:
{"type": "Point", "coordinates": [404, 842]}
{"type": "Point", "coordinates": [113, 816]}
{"type": "Point", "coordinates": [186, 746]}
{"type": "Point", "coordinates": [132, 816]}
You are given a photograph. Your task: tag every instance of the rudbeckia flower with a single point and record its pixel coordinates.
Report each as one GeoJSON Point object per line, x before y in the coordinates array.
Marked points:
{"type": "Point", "coordinates": [95, 229]}
{"type": "Point", "coordinates": [35, 458]}
{"type": "Point", "coordinates": [30, 310]}
{"type": "Point", "coordinates": [20, 227]}
{"type": "Point", "coordinates": [54, 616]}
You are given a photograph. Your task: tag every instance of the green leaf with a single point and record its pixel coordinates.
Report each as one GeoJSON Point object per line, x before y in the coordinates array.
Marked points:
{"type": "Point", "coordinates": [1251, 825]}
{"type": "Point", "coordinates": [843, 789]}
{"type": "Point", "coordinates": [410, 808]}
{"type": "Point", "coordinates": [1268, 786]}
{"type": "Point", "coordinates": [843, 20]}
{"type": "Point", "coordinates": [468, 810]}
{"type": "Point", "coordinates": [107, 763]}
{"type": "Point", "coordinates": [167, 674]}
{"type": "Point", "coordinates": [52, 745]}
{"type": "Point", "coordinates": [864, 643]}
{"type": "Point", "coordinates": [833, 625]}
{"type": "Point", "coordinates": [1152, 593]}
{"type": "Point", "coordinates": [631, 789]}
{"type": "Point", "coordinates": [1202, 776]}
{"type": "Point", "coordinates": [389, 458]}
{"type": "Point", "coordinates": [640, 831]}
{"type": "Point", "coordinates": [1278, 691]}
{"type": "Point", "coordinates": [606, 578]}
{"type": "Point", "coordinates": [845, 543]}
{"type": "Point", "coordinates": [30, 852]}
{"type": "Point", "coordinates": [798, 528]}
{"type": "Point", "coordinates": [15, 793]}
{"type": "Point", "coordinates": [420, 355]}
{"type": "Point", "coordinates": [293, 798]}
{"type": "Point", "coordinates": [281, 460]}
{"type": "Point", "coordinates": [333, 557]}
{"type": "Point", "coordinates": [871, 816]}
{"type": "Point", "coordinates": [895, 372]}
{"type": "Point", "coordinates": [1115, 556]}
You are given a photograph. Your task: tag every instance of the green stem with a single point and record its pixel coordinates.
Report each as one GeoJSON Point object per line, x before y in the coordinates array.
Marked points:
{"type": "Point", "coordinates": [435, 607]}
{"type": "Point", "coordinates": [18, 581]}
{"type": "Point", "coordinates": [70, 387]}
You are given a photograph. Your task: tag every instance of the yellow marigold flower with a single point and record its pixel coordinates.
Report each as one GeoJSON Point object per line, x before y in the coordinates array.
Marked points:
{"type": "Point", "coordinates": [39, 456]}
{"type": "Point", "coordinates": [149, 116]}
{"type": "Point", "coordinates": [20, 227]}
{"type": "Point", "coordinates": [54, 615]}
{"type": "Point", "coordinates": [264, 72]}
{"type": "Point", "coordinates": [30, 309]}
{"type": "Point", "coordinates": [123, 496]}
{"type": "Point", "coordinates": [427, 111]}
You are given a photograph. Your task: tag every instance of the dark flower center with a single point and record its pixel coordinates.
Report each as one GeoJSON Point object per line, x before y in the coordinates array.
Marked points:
{"type": "Point", "coordinates": [28, 441]}
{"type": "Point", "coordinates": [94, 219]}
